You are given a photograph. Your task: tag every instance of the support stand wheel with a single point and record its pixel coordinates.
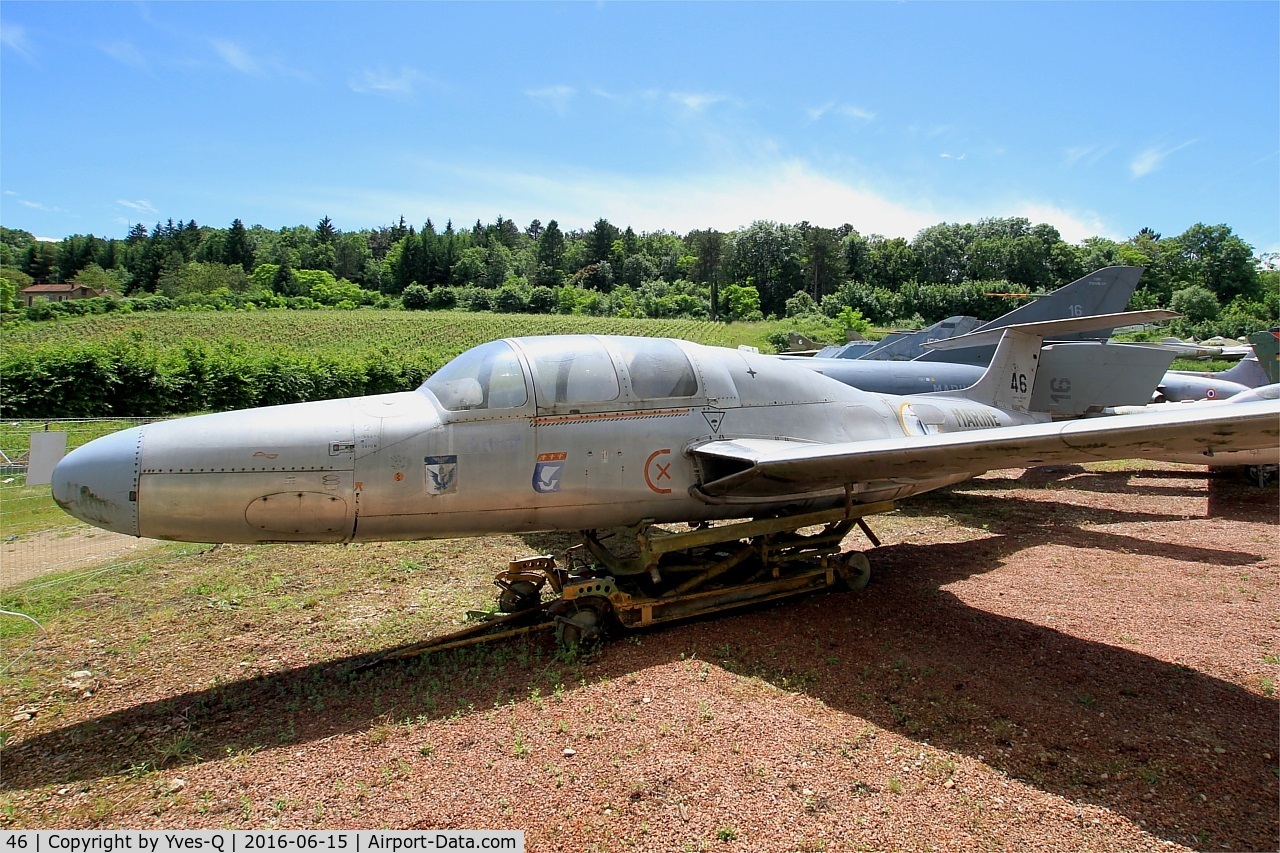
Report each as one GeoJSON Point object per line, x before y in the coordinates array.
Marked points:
{"type": "Point", "coordinates": [519, 595]}
{"type": "Point", "coordinates": [579, 627]}
{"type": "Point", "coordinates": [1261, 475]}
{"type": "Point", "coordinates": [854, 571]}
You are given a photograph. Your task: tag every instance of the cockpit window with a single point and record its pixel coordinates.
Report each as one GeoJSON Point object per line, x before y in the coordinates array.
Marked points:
{"type": "Point", "coordinates": [657, 367]}
{"type": "Point", "coordinates": [487, 377]}
{"type": "Point", "coordinates": [571, 369]}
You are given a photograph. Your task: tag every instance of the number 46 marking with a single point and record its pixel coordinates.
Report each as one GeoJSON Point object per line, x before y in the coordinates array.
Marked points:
{"type": "Point", "coordinates": [1018, 382]}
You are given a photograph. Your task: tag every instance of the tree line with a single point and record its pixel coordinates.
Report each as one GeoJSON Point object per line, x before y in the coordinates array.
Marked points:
{"type": "Point", "coordinates": [765, 269]}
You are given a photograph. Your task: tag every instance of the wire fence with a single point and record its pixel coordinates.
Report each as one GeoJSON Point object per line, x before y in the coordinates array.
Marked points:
{"type": "Point", "coordinates": [36, 537]}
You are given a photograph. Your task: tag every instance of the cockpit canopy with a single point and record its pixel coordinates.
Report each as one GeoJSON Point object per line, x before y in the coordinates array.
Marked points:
{"type": "Point", "coordinates": [566, 371]}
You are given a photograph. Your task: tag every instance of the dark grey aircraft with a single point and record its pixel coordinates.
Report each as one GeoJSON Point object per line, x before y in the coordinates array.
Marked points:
{"type": "Point", "coordinates": [1104, 291]}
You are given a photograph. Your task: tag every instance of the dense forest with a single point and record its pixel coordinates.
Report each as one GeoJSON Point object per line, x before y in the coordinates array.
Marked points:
{"type": "Point", "coordinates": [765, 269]}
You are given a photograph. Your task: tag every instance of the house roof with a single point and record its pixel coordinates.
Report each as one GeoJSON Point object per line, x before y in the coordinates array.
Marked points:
{"type": "Point", "coordinates": [66, 287]}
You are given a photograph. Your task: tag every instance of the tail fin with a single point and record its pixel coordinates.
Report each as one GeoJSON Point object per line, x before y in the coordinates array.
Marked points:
{"type": "Point", "coordinates": [905, 346]}
{"type": "Point", "coordinates": [1010, 382]}
{"type": "Point", "coordinates": [1104, 291]}
{"type": "Point", "coordinates": [1011, 378]}
{"type": "Point", "coordinates": [1266, 346]}
{"type": "Point", "coordinates": [1101, 292]}
{"type": "Point", "coordinates": [1249, 372]}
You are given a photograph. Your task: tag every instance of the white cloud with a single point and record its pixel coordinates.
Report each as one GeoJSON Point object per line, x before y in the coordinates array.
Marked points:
{"type": "Point", "coordinates": [125, 53]}
{"type": "Point", "coordinates": [33, 205]}
{"type": "Point", "coordinates": [780, 191]}
{"type": "Point", "coordinates": [557, 97]}
{"type": "Point", "coordinates": [846, 110]}
{"type": "Point", "coordinates": [816, 113]}
{"type": "Point", "coordinates": [788, 191]}
{"type": "Point", "coordinates": [237, 57]}
{"type": "Point", "coordinates": [139, 206]}
{"type": "Point", "coordinates": [14, 37]}
{"type": "Point", "coordinates": [1151, 159]}
{"type": "Point", "coordinates": [560, 97]}
{"type": "Point", "coordinates": [850, 111]}
{"type": "Point", "coordinates": [396, 84]}
{"type": "Point", "coordinates": [607, 95]}
{"type": "Point", "coordinates": [1086, 155]}
{"type": "Point", "coordinates": [246, 63]}
{"type": "Point", "coordinates": [696, 101]}
{"type": "Point", "coordinates": [1073, 226]}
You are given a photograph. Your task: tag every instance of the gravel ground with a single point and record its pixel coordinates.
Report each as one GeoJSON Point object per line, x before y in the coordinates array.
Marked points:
{"type": "Point", "coordinates": [34, 554]}
{"type": "Point", "coordinates": [1058, 659]}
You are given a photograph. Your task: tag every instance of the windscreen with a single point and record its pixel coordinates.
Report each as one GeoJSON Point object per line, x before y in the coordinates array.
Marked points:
{"type": "Point", "coordinates": [487, 377]}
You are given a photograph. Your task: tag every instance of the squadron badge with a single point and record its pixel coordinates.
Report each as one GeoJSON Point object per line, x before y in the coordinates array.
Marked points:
{"type": "Point", "coordinates": [442, 475]}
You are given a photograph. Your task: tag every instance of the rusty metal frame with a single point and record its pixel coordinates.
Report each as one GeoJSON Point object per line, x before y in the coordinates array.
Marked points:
{"type": "Point", "coordinates": [793, 563]}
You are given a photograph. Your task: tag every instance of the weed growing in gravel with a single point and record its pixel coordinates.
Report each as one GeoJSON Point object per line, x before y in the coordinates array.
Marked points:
{"type": "Point", "coordinates": [177, 750]}
{"type": "Point", "coordinates": [726, 834]}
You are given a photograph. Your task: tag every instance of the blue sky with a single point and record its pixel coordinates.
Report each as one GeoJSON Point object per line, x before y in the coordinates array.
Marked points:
{"type": "Point", "coordinates": [1098, 118]}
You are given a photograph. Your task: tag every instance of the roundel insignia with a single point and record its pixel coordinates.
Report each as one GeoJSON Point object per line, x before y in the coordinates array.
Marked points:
{"type": "Point", "coordinates": [658, 471]}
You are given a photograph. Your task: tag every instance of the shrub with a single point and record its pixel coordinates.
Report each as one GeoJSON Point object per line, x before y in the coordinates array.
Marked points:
{"type": "Point", "coordinates": [416, 297]}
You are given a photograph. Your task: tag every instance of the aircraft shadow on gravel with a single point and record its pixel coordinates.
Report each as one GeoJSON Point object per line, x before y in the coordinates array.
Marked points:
{"type": "Point", "coordinates": [1229, 483]}
{"type": "Point", "coordinates": [1089, 721]}
{"type": "Point", "coordinates": [1229, 494]}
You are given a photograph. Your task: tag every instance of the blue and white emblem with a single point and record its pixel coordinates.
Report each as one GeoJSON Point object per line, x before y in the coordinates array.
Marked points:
{"type": "Point", "coordinates": [548, 472]}
{"type": "Point", "coordinates": [442, 475]}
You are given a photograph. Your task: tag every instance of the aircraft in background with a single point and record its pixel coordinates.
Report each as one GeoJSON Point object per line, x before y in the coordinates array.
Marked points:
{"type": "Point", "coordinates": [584, 433]}
{"type": "Point", "coordinates": [1255, 370]}
{"type": "Point", "coordinates": [1075, 377]}
{"type": "Point", "coordinates": [921, 364]}
{"type": "Point", "coordinates": [1104, 291]}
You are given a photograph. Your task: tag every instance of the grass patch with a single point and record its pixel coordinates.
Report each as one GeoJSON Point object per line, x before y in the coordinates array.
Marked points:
{"type": "Point", "coordinates": [27, 509]}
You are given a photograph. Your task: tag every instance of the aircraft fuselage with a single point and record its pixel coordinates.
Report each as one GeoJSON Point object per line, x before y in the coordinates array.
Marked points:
{"type": "Point", "coordinates": [523, 435]}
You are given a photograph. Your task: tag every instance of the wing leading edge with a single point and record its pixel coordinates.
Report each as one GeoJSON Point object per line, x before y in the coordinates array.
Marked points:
{"type": "Point", "coordinates": [760, 467]}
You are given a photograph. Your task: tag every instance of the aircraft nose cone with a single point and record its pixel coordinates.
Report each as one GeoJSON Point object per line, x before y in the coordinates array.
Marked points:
{"type": "Point", "coordinates": [98, 482]}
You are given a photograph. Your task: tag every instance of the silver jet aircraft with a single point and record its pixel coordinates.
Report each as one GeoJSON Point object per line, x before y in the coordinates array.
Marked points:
{"type": "Point", "coordinates": [583, 433]}
{"type": "Point", "coordinates": [1253, 371]}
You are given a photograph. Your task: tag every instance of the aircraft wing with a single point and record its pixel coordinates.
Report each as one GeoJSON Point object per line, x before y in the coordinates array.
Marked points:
{"type": "Point", "coordinates": [763, 467]}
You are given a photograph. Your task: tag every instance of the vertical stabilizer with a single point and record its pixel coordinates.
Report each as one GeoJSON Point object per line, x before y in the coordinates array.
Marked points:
{"type": "Point", "coordinates": [1248, 372]}
{"type": "Point", "coordinates": [1104, 291]}
{"type": "Point", "coordinates": [1010, 379]}
{"type": "Point", "coordinates": [1266, 346]}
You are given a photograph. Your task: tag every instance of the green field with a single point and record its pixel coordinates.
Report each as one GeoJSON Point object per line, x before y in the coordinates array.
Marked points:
{"type": "Point", "coordinates": [435, 336]}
